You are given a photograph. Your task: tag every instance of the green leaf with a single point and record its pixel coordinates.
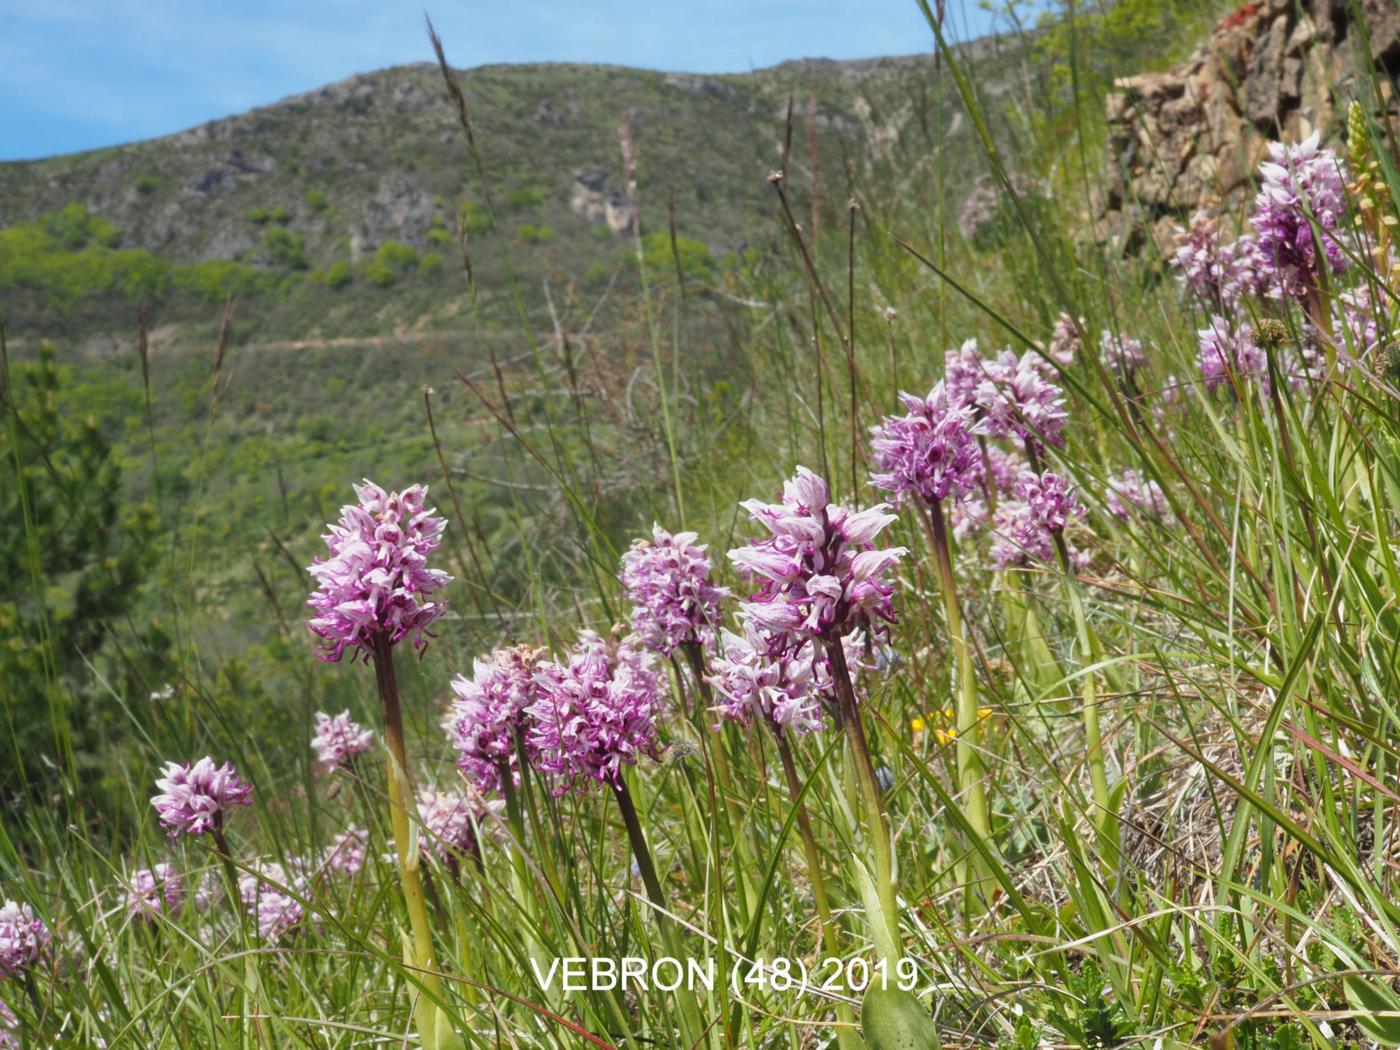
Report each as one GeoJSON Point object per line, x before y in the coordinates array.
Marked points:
{"type": "Point", "coordinates": [893, 1019]}
{"type": "Point", "coordinates": [1378, 1009]}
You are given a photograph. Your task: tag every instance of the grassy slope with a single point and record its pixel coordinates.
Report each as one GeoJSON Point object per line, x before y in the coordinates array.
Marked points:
{"type": "Point", "coordinates": [378, 158]}
{"type": "Point", "coordinates": [1209, 617]}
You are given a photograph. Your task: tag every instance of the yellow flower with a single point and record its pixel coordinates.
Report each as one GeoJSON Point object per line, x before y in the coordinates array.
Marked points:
{"type": "Point", "coordinates": [945, 736]}
{"type": "Point", "coordinates": [917, 725]}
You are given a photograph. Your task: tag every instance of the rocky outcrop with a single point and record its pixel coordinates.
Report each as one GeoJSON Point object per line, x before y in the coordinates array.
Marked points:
{"type": "Point", "coordinates": [1193, 136]}
{"type": "Point", "coordinates": [591, 200]}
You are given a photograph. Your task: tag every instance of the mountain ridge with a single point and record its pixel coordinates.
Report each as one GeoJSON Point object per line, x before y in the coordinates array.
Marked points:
{"type": "Point", "coordinates": [366, 182]}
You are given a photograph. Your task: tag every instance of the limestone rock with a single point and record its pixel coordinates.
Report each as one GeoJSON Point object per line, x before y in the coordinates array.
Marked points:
{"type": "Point", "coordinates": [1192, 137]}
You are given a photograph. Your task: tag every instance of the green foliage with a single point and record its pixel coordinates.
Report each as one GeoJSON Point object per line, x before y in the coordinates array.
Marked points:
{"type": "Point", "coordinates": [390, 261]}
{"type": "Point", "coordinates": [286, 248]}
{"type": "Point", "coordinates": [74, 227]}
{"type": "Point", "coordinates": [145, 184]}
{"type": "Point", "coordinates": [894, 1019]}
{"type": "Point", "coordinates": [66, 256]}
{"type": "Point", "coordinates": [475, 219]}
{"type": "Point", "coordinates": [317, 200]}
{"type": "Point", "coordinates": [527, 196]}
{"type": "Point", "coordinates": [697, 262]}
{"type": "Point", "coordinates": [215, 280]}
{"type": "Point", "coordinates": [74, 557]}
{"type": "Point", "coordinates": [529, 233]}
{"type": "Point", "coordinates": [338, 274]}
{"type": "Point", "coordinates": [258, 215]}
{"type": "Point", "coordinates": [429, 264]}
{"type": "Point", "coordinates": [1106, 38]}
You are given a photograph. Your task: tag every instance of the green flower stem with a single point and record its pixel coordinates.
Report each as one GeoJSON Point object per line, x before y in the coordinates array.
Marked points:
{"type": "Point", "coordinates": [877, 829]}
{"type": "Point", "coordinates": [968, 744]}
{"type": "Point", "coordinates": [252, 985]}
{"type": "Point", "coordinates": [1105, 820]}
{"type": "Point", "coordinates": [846, 1037]}
{"type": "Point", "coordinates": [401, 796]}
{"type": "Point", "coordinates": [689, 1007]}
{"type": "Point", "coordinates": [695, 658]}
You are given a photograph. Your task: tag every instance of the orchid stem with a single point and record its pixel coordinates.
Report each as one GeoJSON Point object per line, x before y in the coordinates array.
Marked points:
{"type": "Point", "coordinates": [401, 796]}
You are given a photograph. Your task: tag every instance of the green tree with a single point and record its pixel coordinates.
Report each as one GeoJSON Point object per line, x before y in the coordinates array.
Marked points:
{"type": "Point", "coordinates": [74, 560]}
{"type": "Point", "coordinates": [338, 274]}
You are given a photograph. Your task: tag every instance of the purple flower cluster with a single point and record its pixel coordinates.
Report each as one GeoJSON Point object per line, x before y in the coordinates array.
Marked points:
{"type": "Point", "coordinates": [594, 714]}
{"type": "Point", "coordinates": [1009, 396]}
{"type": "Point", "coordinates": [9, 1028]}
{"type": "Point", "coordinates": [929, 452]}
{"type": "Point", "coordinates": [1121, 353]}
{"type": "Point", "coordinates": [152, 892]}
{"type": "Point", "coordinates": [488, 714]}
{"type": "Point", "coordinates": [674, 602]}
{"type": "Point", "coordinates": [345, 855]}
{"type": "Point", "coordinates": [1129, 490]}
{"type": "Point", "coordinates": [1050, 499]}
{"type": "Point", "coordinates": [819, 575]}
{"type": "Point", "coordinates": [1222, 351]}
{"type": "Point", "coordinates": [1299, 183]}
{"type": "Point", "coordinates": [338, 739]}
{"type": "Point", "coordinates": [1026, 526]}
{"type": "Point", "coordinates": [1362, 325]}
{"type": "Point", "coordinates": [1020, 400]}
{"type": "Point", "coordinates": [1220, 274]}
{"type": "Point", "coordinates": [195, 799]}
{"type": "Point", "coordinates": [1064, 340]}
{"type": "Point", "coordinates": [963, 372]}
{"type": "Point", "coordinates": [23, 938]}
{"type": "Point", "coordinates": [784, 691]}
{"type": "Point", "coordinates": [376, 581]}
{"type": "Point", "coordinates": [264, 893]}
{"type": "Point", "coordinates": [450, 823]}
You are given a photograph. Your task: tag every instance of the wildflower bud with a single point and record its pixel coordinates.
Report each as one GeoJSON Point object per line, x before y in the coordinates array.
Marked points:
{"type": "Point", "coordinates": [1390, 367]}
{"type": "Point", "coordinates": [23, 938]}
{"type": "Point", "coordinates": [376, 580]}
{"type": "Point", "coordinates": [195, 799]}
{"type": "Point", "coordinates": [1358, 139]}
{"type": "Point", "coordinates": [1270, 333]}
{"type": "Point", "coordinates": [682, 751]}
{"type": "Point", "coordinates": [338, 740]}
{"type": "Point", "coordinates": [674, 602]}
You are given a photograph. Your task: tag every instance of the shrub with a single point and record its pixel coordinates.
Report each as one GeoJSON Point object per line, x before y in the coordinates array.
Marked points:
{"type": "Point", "coordinates": [286, 248]}
{"type": "Point", "coordinates": [214, 280]}
{"type": "Point", "coordinates": [696, 260]}
{"type": "Point", "coordinates": [337, 274]}
{"type": "Point", "coordinates": [430, 264]}
{"type": "Point", "coordinates": [474, 219]}
{"type": "Point", "coordinates": [532, 234]}
{"type": "Point", "coordinates": [258, 216]}
{"type": "Point", "coordinates": [74, 226]}
{"type": "Point", "coordinates": [527, 196]}
{"type": "Point", "coordinates": [144, 183]}
{"type": "Point", "coordinates": [317, 200]}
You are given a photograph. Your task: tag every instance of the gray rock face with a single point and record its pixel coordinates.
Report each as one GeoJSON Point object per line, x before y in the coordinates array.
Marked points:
{"type": "Point", "coordinates": [1191, 137]}
{"type": "Point", "coordinates": [398, 210]}
{"type": "Point", "coordinates": [591, 200]}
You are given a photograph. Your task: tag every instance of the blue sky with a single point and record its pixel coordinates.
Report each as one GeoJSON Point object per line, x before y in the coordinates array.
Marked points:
{"type": "Point", "coordinates": [78, 74]}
